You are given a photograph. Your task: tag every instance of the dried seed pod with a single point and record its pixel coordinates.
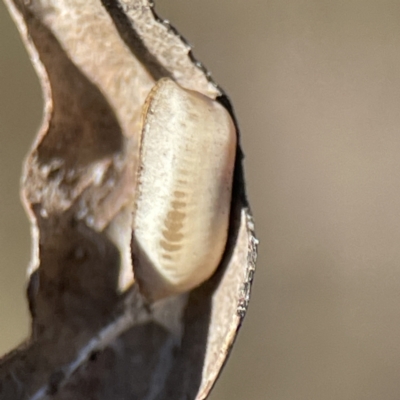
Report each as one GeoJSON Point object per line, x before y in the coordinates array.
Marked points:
{"type": "Point", "coordinates": [94, 91]}
{"type": "Point", "coordinates": [184, 190]}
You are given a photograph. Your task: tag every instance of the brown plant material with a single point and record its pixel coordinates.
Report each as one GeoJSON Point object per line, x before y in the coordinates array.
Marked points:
{"type": "Point", "coordinates": [93, 335]}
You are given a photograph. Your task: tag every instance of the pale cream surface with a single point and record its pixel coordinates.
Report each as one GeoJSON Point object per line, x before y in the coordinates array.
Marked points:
{"type": "Point", "coordinates": [184, 187]}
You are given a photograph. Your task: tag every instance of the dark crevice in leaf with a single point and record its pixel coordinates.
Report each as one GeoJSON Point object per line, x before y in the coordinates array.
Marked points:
{"type": "Point", "coordinates": [131, 38]}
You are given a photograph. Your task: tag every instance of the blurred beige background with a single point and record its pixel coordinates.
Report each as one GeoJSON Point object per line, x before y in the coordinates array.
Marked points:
{"type": "Point", "coordinates": [316, 87]}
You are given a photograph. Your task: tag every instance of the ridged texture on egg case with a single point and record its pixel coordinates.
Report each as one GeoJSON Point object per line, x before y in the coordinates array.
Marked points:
{"type": "Point", "coordinates": [183, 200]}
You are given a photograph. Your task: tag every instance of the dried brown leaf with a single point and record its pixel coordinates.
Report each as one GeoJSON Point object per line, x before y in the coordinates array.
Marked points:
{"type": "Point", "coordinates": [93, 335]}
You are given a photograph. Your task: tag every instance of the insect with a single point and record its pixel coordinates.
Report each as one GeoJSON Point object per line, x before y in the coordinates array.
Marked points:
{"type": "Point", "coordinates": [182, 208]}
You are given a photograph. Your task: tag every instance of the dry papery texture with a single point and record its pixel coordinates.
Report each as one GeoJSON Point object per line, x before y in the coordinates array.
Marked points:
{"type": "Point", "coordinates": [93, 334]}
